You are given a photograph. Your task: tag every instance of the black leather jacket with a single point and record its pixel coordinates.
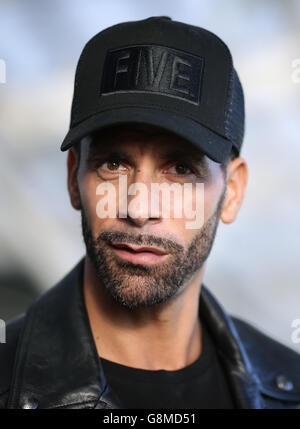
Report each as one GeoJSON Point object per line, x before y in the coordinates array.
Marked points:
{"type": "Point", "coordinates": [50, 359]}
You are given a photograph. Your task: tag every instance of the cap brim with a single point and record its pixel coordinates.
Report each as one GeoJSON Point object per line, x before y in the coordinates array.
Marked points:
{"type": "Point", "coordinates": [213, 145]}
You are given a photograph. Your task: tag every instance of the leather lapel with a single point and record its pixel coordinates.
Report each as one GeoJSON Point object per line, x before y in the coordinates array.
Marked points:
{"type": "Point", "coordinates": [243, 380]}
{"type": "Point", "coordinates": [57, 363]}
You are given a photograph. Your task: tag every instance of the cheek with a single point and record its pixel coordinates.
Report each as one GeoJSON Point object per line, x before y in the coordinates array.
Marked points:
{"type": "Point", "coordinates": [210, 200]}
{"type": "Point", "coordinates": [201, 203]}
{"type": "Point", "coordinates": [212, 193]}
{"type": "Point", "coordinates": [96, 200]}
{"type": "Point", "coordinates": [89, 198]}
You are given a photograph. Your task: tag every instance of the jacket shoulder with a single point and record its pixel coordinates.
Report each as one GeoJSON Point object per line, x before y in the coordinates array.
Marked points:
{"type": "Point", "coordinates": [276, 365]}
{"type": "Point", "coordinates": [7, 356]}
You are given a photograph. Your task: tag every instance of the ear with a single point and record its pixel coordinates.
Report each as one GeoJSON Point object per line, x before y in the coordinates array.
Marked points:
{"type": "Point", "coordinates": [72, 166]}
{"type": "Point", "coordinates": [237, 177]}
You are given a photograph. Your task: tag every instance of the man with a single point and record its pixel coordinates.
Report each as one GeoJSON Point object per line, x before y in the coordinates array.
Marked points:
{"type": "Point", "coordinates": [156, 102]}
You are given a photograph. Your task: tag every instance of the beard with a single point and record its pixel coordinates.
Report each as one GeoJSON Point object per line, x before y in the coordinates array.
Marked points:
{"type": "Point", "coordinates": [134, 286]}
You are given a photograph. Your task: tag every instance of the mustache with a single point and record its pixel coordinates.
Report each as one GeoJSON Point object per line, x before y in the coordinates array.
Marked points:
{"type": "Point", "coordinates": [112, 237]}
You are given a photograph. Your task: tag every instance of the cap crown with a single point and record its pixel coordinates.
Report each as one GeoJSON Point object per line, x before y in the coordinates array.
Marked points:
{"type": "Point", "coordinates": [163, 64]}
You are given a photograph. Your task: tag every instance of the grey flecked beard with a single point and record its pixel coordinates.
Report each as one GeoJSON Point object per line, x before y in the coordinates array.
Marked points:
{"type": "Point", "coordinates": [134, 286]}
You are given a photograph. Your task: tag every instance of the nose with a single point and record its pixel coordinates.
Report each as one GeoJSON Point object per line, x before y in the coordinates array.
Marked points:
{"type": "Point", "coordinates": [139, 211]}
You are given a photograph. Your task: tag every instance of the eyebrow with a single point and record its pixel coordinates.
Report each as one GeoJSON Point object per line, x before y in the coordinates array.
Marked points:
{"type": "Point", "coordinates": [181, 154]}
{"type": "Point", "coordinates": [95, 151]}
{"type": "Point", "coordinates": [195, 157]}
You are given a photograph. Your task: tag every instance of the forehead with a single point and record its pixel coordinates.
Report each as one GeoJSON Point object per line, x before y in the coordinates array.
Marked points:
{"type": "Point", "coordinates": [139, 137]}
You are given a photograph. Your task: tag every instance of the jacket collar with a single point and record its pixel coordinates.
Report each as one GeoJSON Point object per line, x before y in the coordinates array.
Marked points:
{"type": "Point", "coordinates": [57, 364]}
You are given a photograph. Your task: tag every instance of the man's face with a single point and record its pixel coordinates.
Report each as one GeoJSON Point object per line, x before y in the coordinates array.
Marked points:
{"type": "Point", "coordinates": [144, 259]}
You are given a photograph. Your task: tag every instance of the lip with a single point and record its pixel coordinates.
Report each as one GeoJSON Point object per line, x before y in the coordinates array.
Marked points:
{"type": "Point", "coordinates": [143, 255]}
{"type": "Point", "coordinates": [139, 248]}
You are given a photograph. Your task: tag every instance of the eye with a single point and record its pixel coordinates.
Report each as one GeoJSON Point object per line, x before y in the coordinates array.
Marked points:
{"type": "Point", "coordinates": [180, 169]}
{"type": "Point", "coordinates": [112, 165]}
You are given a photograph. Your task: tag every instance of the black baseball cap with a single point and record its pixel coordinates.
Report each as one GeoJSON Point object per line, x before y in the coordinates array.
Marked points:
{"type": "Point", "coordinates": [164, 73]}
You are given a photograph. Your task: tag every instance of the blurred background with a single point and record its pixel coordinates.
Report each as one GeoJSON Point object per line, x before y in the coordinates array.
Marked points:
{"type": "Point", "coordinates": [254, 267]}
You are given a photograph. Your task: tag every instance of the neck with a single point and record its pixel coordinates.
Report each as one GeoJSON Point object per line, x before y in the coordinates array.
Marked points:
{"type": "Point", "coordinates": [166, 336]}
